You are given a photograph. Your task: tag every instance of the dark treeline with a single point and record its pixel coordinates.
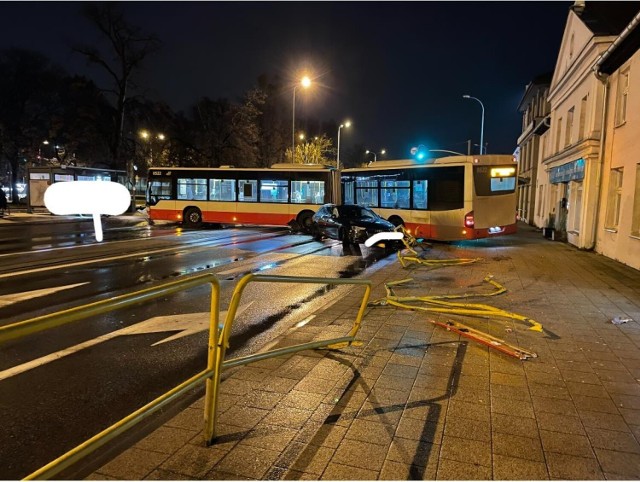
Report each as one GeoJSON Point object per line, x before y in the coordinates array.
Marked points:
{"type": "Point", "coordinates": [52, 117]}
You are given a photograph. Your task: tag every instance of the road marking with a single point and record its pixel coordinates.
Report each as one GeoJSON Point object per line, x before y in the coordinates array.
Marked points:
{"type": "Point", "coordinates": [185, 324]}
{"type": "Point", "coordinates": [6, 300]}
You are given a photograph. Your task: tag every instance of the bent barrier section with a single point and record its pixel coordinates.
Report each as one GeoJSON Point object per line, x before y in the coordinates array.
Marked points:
{"type": "Point", "coordinates": [217, 345]}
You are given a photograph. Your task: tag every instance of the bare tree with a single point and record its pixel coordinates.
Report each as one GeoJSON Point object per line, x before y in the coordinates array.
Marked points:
{"type": "Point", "coordinates": [127, 48]}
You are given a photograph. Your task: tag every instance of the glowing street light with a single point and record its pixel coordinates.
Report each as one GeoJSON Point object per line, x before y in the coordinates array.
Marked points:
{"type": "Point", "coordinates": [481, 122]}
{"type": "Point", "coordinates": [305, 82]}
{"type": "Point", "coordinates": [375, 156]}
{"type": "Point", "coordinates": [346, 124]}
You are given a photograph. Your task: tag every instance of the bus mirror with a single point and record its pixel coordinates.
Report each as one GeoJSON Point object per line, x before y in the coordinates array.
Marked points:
{"type": "Point", "coordinates": [87, 197]}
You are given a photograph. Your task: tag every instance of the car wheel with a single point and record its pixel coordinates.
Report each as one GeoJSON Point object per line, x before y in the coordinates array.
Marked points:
{"type": "Point", "coordinates": [193, 218]}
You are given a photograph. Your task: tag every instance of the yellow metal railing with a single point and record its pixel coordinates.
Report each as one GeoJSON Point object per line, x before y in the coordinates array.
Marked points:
{"type": "Point", "coordinates": [217, 345]}
{"type": "Point", "coordinates": [223, 340]}
{"type": "Point", "coordinates": [41, 323]}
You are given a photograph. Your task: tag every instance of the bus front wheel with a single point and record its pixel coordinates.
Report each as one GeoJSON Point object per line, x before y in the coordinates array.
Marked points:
{"type": "Point", "coordinates": [193, 218]}
{"type": "Point", "coordinates": [396, 221]}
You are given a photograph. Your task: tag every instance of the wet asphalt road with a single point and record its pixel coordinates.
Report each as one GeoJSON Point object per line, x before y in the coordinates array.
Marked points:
{"type": "Point", "coordinates": [112, 366]}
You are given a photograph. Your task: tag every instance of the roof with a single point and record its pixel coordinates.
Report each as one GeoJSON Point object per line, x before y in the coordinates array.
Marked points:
{"type": "Point", "coordinates": [606, 18]}
{"type": "Point", "coordinates": [538, 83]}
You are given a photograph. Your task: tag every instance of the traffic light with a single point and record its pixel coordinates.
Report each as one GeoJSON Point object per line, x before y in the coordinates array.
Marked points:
{"type": "Point", "coordinates": [420, 152]}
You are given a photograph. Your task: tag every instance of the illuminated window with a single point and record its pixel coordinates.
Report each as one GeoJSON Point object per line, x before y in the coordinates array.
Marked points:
{"type": "Point", "coordinates": [192, 189]}
{"type": "Point", "coordinates": [274, 191]}
{"type": "Point", "coordinates": [247, 191]}
{"type": "Point", "coordinates": [222, 190]}
{"type": "Point", "coordinates": [159, 189]}
{"type": "Point", "coordinates": [367, 193]}
{"type": "Point", "coordinates": [307, 192]}
{"type": "Point", "coordinates": [395, 194]}
{"type": "Point", "coordinates": [420, 194]}
{"type": "Point", "coordinates": [614, 199]}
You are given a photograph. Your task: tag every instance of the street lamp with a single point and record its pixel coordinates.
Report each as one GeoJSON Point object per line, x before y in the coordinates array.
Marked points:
{"type": "Point", "coordinates": [375, 157]}
{"type": "Point", "coordinates": [482, 121]}
{"type": "Point", "coordinates": [346, 124]}
{"type": "Point", "coordinates": [305, 82]}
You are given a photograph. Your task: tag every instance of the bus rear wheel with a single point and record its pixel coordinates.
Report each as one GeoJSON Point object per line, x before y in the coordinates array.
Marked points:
{"type": "Point", "coordinates": [193, 218]}
{"type": "Point", "coordinates": [305, 221]}
{"type": "Point", "coordinates": [396, 220]}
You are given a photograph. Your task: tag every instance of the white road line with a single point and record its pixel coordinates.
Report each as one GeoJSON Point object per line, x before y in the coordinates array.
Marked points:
{"type": "Point", "coordinates": [183, 324]}
{"type": "Point", "coordinates": [6, 300]}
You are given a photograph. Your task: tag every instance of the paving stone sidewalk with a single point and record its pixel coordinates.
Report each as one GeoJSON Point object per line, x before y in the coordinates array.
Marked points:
{"type": "Point", "coordinates": [416, 401]}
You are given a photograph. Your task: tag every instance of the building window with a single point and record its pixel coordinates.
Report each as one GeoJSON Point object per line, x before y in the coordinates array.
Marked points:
{"type": "Point", "coordinates": [558, 133]}
{"type": "Point", "coordinates": [568, 137]}
{"type": "Point", "coordinates": [635, 221]}
{"type": "Point", "coordinates": [621, 99]}
{"type": "Point", "coordinates": [614, 198]}
{"type": "Point", "coordinates": [576, 207]}
{"type": "Point", "coordinates": [583, 118]}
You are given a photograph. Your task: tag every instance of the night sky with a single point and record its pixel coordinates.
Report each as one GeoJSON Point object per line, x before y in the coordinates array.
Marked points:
{"type": "Point", "coordinates": [397, 70]}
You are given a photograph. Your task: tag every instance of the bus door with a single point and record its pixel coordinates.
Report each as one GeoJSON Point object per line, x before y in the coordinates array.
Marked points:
{"type": "Point", "coordinates": [159, 197]}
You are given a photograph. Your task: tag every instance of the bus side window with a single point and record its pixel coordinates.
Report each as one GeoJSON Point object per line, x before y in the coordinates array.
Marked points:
{"type": "Point", "coordinates": [420, 194]}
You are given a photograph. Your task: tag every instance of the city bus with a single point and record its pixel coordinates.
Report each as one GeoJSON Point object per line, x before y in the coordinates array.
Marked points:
{"type": "Point", "coordinates": [284, 194]}
{"type": "Point", "coordinates": [448, 198]}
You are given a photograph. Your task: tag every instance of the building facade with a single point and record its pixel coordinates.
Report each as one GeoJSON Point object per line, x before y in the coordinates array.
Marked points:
{"type": "Point", "coordinates": [535, 110]}
{"type": "Point", "coordinates": [569, 178]}
{"type": "Point", "coordinates": [618, 219]}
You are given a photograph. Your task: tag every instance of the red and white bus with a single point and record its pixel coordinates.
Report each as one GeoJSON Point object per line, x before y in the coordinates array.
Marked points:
{"type": "Point", "coordinates": [284, 194]}
{"type": "Point", "coordinates": [449, 198]}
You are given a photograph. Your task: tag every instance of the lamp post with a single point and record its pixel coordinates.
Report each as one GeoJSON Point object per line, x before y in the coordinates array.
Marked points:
{"type": "Point", "coordinates": [305, 82]}
{"type": "Point", "coordinates": [375, 158]}
{"type": "Point", "coordinates": [481, 122]}
{"type": "Point", "coordinates": [346, 124]}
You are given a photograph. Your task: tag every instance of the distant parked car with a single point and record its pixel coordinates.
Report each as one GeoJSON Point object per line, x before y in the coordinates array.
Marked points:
{"type": "Point", "coordinates": [349, 223]}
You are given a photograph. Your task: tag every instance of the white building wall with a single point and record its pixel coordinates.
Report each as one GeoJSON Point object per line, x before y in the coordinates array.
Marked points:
{"type": "Point", "coordinates": [571, 206]}
{"type": "Point", "coordinates": [621, 151]}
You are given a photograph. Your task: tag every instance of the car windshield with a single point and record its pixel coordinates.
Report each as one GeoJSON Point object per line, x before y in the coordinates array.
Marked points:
{"type": "Point", "coordinates": [356, 212]}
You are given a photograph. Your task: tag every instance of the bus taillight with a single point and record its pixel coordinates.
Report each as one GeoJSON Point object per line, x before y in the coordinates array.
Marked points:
{"type": "Point", "coordinates": [468, 219]}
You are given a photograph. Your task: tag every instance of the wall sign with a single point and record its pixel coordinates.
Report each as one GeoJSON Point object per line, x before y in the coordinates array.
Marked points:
{"type": "Point", "coordinates": [571, 171]}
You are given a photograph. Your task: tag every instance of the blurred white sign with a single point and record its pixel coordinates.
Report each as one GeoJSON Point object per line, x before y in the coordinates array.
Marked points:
{"type": "Point", "coordinates": [87, 197]}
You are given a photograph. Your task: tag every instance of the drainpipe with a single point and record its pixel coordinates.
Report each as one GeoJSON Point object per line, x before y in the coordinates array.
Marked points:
{"type": "Point", "coordinates": [614, 45]}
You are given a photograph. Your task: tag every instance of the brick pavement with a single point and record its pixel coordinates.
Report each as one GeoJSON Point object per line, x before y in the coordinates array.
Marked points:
{"type": "Point", "coordinates": [418, 402]}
